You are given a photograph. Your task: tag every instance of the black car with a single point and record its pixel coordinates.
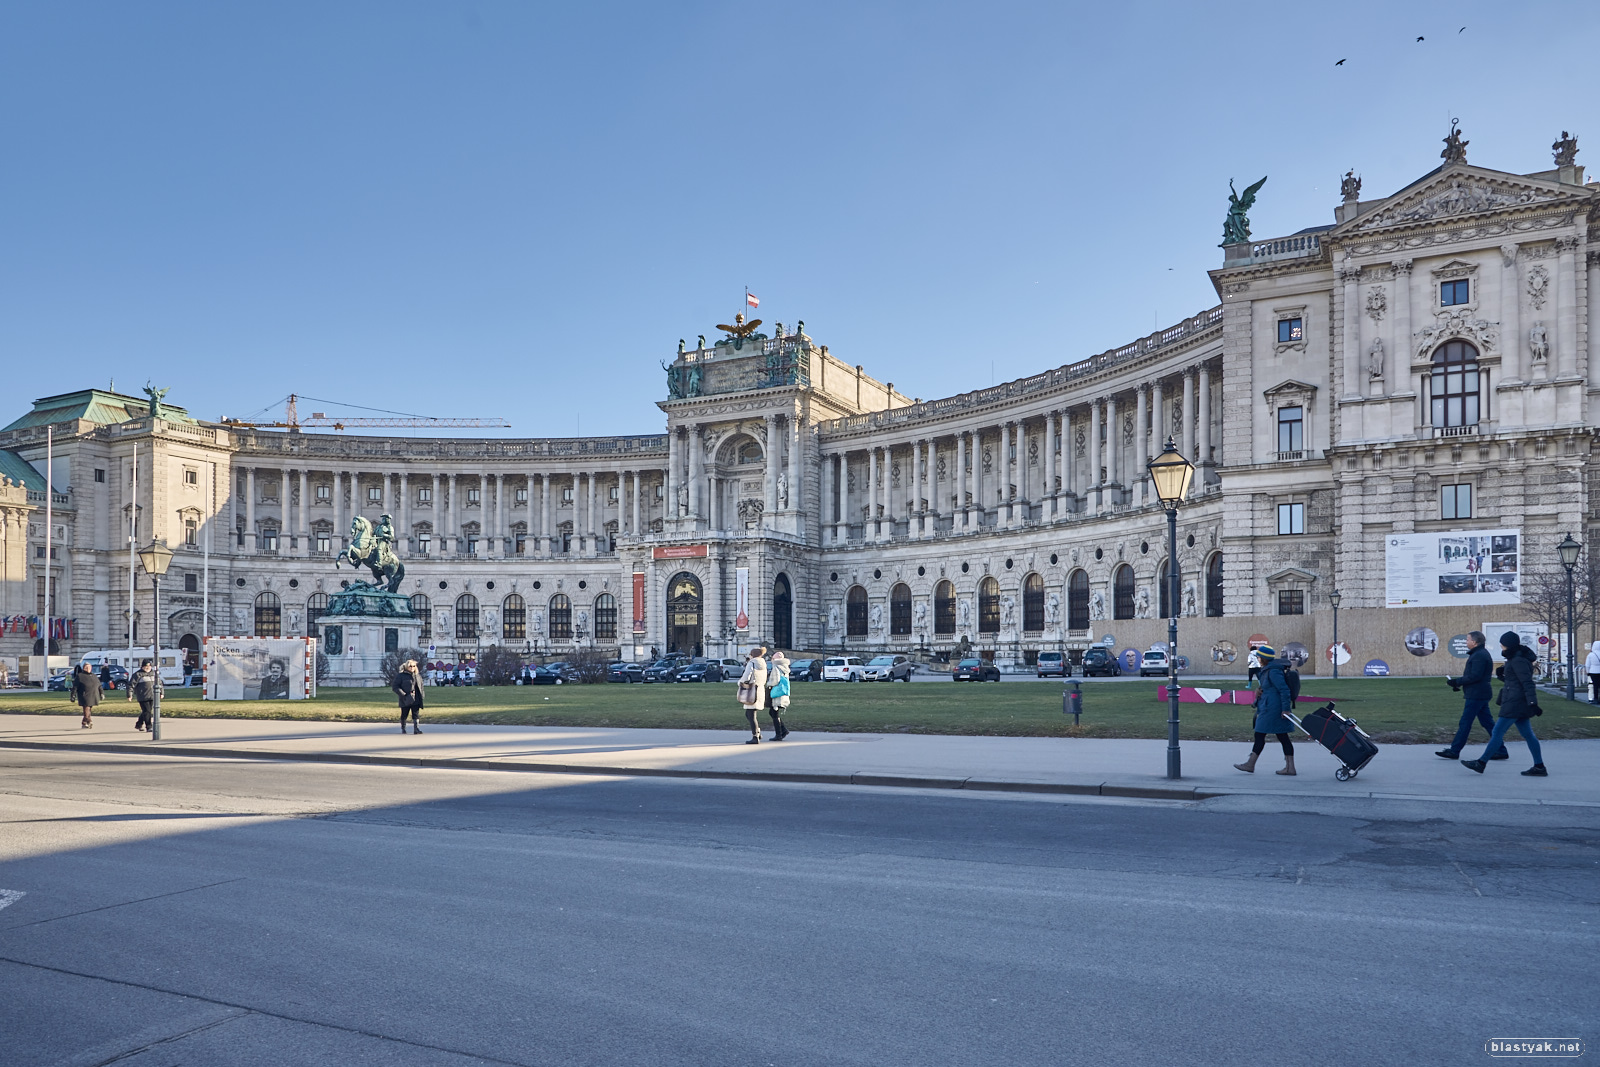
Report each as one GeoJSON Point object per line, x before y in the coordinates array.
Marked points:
{"type": "Point", "coordinates": [1101, 661]}
{"type": "Point", "coordinates": [700, 672]}
{"type": "Point", "coordinates": [625, 672]}
{"type": "Point", "coordinates": [117, 675]}
{"type": "Point", "coordinates": [805, 670]}
{"type": "Point", "coordinates": [663, 670]}
{"type": "Point", "coordinates": [554, 674]}
{"type": "Point", "coordinates": [975, 670]}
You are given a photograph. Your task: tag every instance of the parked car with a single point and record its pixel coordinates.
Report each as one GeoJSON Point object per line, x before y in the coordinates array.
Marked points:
{"type": "Point", "coordinates": [975, 670]}
{"type": "Point", "coordinates": [1153, 662]}
{"type": "Point", "coordinates": [1101, 661]}
{"type": "Point", "coordinates": [58, 682]}
{"type": "Point", "coordinates": [843, 669]}
{"type": "Point", "coordinates": [878, 667]}
{"type": "Point", "coordinates": [663, 670]}
{"type": "Point", "coordinates": [549, 674]}
{"type": "Point", "coordinates": [804, 670]}
{"type": "Point", "coordinates": [118, 675]}
{"type": "Point", "coordinates": [732, 668]}
{"type": "Point", "coordinates": [902, 671]}
{"type": "Point", "coordinates": [1055, 663]}
{"type": "Point", "coordinates": [704, 671]}
{"type": "Point", "coordinates": [625, 672]}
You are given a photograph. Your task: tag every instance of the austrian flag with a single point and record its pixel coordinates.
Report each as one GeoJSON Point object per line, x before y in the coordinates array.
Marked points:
{"type": "Point", "coordinates": [751, 299]}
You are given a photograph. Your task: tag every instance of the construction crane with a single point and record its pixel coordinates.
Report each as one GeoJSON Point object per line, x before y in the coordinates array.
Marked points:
{"type": "Point", "coordinates": [319, 421]}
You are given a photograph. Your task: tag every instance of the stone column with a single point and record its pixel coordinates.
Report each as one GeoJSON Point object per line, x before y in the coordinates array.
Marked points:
{"type": "Point", "coordinates": [250, 511]}
{"type": "Point", "coordinates": [931, 519]}
{"type": "Point", "coordinates": [841, 498]}
{"type": "Point", "coordinates": [341, 525]}
{"type": "Point", "coordinates": [1141, 443]}
{"type": "Point", "coordinates": [1188, 415]}
{"type": "Point", "coordinates": [1069, 457]}
{"type": "Point", "coordinates": [796, 443]}
{"type": "Point", "coordinates": [305, 510]}
{"type": "Point", "coordinates": [1510, 321]}
{"type": "Point", "coordinates": [770, 474]}
{"type": "Point", "coordinates": [1204, 445]}
{"type": "Point", "coordinates": [544, 513]}
{"type": "Point", "coordinates": [1047, 501]}
{"type": "Point", "coordinates": [435, 516]}
{"type": "Point", "coordinates": [594, 523]}
{"type": "Point", "coordinates": [921, 468]}
{"type": "Point", "coordinates": [1113, 451]}
{"type": "Point", "coordinates": [869, 531]}
{"type": "Point", "coordinates": [697, 472]}
{"type": "Point", "coordinates": [962, 518]}
{"type": "Point", "coordinates": [1564, 338]}
{"type": "Point", "coordinates": [1094, 455]}
{"type": "Point", "coordinates": [1400, 359]}
{"type": "Point", "coordinates": [448, 541]}
{"type": "Point", "coordinates": [674, 459]}
{"type": "Point", "coordinates": [1350, 277]}
{"type": "Point", "coordinates": [499, 548]}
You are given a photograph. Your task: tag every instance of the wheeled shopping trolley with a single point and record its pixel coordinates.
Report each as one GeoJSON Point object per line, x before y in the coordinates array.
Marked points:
{"type": "Point", "coordinates": [1348, 742]}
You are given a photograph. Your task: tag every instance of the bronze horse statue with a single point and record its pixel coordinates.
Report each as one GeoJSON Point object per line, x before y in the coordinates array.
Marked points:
{"type": "Point", "coordinates": [374, 550]}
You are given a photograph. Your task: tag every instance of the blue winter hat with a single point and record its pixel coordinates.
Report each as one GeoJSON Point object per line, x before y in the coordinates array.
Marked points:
{"type": "Point", "coordinates": [1266, 651]}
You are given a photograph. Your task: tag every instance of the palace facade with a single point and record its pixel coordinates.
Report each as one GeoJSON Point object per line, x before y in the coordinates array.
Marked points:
{"type": "Point", "coordinates": [1421, 364]}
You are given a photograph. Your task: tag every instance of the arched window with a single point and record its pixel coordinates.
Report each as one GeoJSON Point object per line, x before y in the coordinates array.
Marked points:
{"type": "Point", "coordinates": [782, 612]}
{"type": "Point", "coordinates": [1122, 592]}
{"type": "Point", "coordinates": [466, 616]}
{"type": "Point", "coordinates": [900, 610]}
{"type": "Point", "coordinates": [1033, 603]}
{"type": "Point", "coordinates": [1453, 388]}
{"type": "Point", "coordinates": [1164, 589]}
{"type": "Point", "coordinates": [1214, 585]}
{"type": "Point", "coordinates": [855, 607]}
{"type": "Point", "coordinates": [316, 608]}
{"type": "Point", "coordinates": [1078, 601]}
{"type": "Point", "coordinates": [422, 608]}
{"type": "Point", "coordinates": [944, 608]}
{"type": "Point", "coordinates": [514, 618]}
{"type": "Point", "coordinates": [560, 618]}
{"type": "Point", "coordinates": [269, 615]}
{"type": "Point", "coordinates": [605, 617]}
{"type": "Point", "coordinates": [989, 606]}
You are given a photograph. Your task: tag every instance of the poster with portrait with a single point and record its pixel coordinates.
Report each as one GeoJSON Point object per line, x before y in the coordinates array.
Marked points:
{"type": "Point", "coordinates": [1432, 570]}
{"type": "Point", "coordinates": [259, 668]}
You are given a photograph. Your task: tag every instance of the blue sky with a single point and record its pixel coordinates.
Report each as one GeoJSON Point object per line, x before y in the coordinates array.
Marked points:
{"type": "Point", "coordinates": [515, 209]}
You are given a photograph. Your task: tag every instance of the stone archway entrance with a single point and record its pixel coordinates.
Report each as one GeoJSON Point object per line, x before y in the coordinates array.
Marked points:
{"type": "Point", "coordinates": [685, 615]}
{"type": "Point", "coordinates": [782, 613]}
{"type": "Point", "coordinates": [191, 652]}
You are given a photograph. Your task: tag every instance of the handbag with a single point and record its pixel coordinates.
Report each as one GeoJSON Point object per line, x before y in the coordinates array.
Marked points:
{"type": "Point", "coordinates": [747, 694]}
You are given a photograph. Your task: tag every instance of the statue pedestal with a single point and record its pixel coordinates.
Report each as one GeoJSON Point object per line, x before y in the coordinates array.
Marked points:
{"type": "Point", "coordinates": [364, 623]}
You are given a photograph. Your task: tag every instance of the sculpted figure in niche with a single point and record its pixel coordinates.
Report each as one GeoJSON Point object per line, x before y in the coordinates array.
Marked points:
{"type": "Point", "coordinates": [1188, 598]}
{"type": "Point", "coordinates": [783, 490]}
{"type": "Point", "coordinates": [238, 621]}
{"type": "Point", "coordinates": [1142, 602]}
{"type": "Point", "coordinates": [294, 621]}
{"type": "Point", "coordinates": [537, 622]}
{"type": "Point", "coordinates": [1008, 612]}
{"type": "Point", "coordinates": [922, 614]}
{"type": "Point", "coordinates": [1375, 358]}
{"type": "Point", "coordinates": [1097, 605]}
{"type": "Point", "coordinates": [833, 618]}
{"type": "Point", "coordinates": [964, 611]}
{"type": "Point", "coordinates": [1052, 610]}
{"type": "Point", "coordinates": [1538, 343]}
{"type": "Point", "coordinates": [877, 617]}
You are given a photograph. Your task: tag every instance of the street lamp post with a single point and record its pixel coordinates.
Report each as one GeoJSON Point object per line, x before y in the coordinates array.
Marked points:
{"type": "Point", "coordinates": [1569, 550]}
{"type": "Point", "coordinates": [1333, 653]}
{"type": "Point", "coordinates": [1171, 474]}
{"type": "Point", "coordinates": [155, 558]}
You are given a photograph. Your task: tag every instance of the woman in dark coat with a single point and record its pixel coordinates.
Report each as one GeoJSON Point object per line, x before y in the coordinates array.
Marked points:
{"type": "Point", "coordinates": [86, 693]}
{"type": "Point", "coordinates": [408, 690]}
{"type": "Point", "coordinates": [1271, 704]}
{"type": "Point", "coordinates": [1519, 703]}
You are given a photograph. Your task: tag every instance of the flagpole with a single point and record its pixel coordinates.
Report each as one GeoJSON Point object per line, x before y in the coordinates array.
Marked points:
{"type": "Point", "coordinates": [133, 536]}
{"type": "Point", "coordinates": [49, 521]}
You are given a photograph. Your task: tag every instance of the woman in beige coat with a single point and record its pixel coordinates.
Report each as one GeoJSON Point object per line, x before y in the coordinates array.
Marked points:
{"type": "Point", "coordinates": [755, 678]}
{"type": "Point", "coordinates": [778, 694]}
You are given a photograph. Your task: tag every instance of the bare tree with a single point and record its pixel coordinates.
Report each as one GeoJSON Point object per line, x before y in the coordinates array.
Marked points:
{"type": "Point", "coordinates": [498, 665]}
{"type": "Point", "coordinates": [589, 664]}
{"type": "Point", "coordinates": [390, 666]}
{"type": "Point", "coordinates": [1544, 597]}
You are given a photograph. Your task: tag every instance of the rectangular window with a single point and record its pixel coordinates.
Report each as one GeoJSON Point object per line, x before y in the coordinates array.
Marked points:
{"type": "Point", "coordinates": [1291, 602]}
{"type": "Point", "coordinates": [425, 495]}
{"type": "Point", "coordinates": [191, 533]}
{"type": "Point", "coordinates": [191, 583]}
{"type": "Point", "coordinates": [324, 543]}
{"type": "Point", "coordinates": [661, 492]}
{"type": "Point", "coordinates": [472, 546]}
{"type": "Point", "coordinates": [99, 474]}
{"type": "Point", "coordinates": [191, 477]}
{"type": "Point", "coordinates": [612, 494]}
{"type": "Point", "coordinates": [566, 495]}
{"type": "Point", "coordinates": [374, 494]}
{"type": "Point", "coordinates": [269, 540]}
{"type": "Point", "coordinates": [424, 542]}
{"type": "Point", "coordinates": [474, 496]}
{"type": "Point", "coordinates": [1451, 293]}
{"type": "Point", "coordinates": [324, 493]}
{"type": "Point", "coordinates": [1289, 331]}
{"type": "Point", "coordinates": [522, 496]}
{"type": "Point", "coordinates": [522, 544]}
{"type": "Point", "coordinates": [1291, 429]}
{"type": "Point", "coordinates": [1291, 518]}
{"type": "Point", "coordinates": [1455, 501]}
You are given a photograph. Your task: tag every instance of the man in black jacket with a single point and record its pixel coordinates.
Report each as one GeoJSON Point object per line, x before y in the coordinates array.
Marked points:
{"type": "Point", "coordinates": [1519, 703]}
{"type": "Point", "coordinates": [1474, 685]}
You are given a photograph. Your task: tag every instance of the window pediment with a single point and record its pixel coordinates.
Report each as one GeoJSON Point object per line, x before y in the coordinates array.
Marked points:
{"type": "Point", "coordinates": [1289, 393]}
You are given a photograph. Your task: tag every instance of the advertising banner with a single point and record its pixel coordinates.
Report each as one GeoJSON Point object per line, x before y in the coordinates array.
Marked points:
{"type": "Point", "coordinates": [741, 599]}
{"type": "Point", "coordinates": [1435, 570]}
{"type": "Point", "coordinates": [259, 668]}
{"type": "Point", "coordinates": [638, 602]}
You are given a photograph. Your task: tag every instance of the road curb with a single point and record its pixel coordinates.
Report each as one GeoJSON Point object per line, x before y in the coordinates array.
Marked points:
{"type": "Point", "coordinates": [535, 767]}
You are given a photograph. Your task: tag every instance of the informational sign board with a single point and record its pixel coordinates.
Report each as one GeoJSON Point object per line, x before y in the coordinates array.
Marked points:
{"type": "Point", "coordinates": [259, 668]}
{"type": "Point", "coordinates": [1432, 570]}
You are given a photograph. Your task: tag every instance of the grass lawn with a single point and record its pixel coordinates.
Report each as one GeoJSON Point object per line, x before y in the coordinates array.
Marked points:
{"type": "Point", "coordinates": [1392, 710]}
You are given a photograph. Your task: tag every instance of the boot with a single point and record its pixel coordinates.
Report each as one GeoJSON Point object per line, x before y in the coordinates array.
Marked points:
{"type": "Point", "coordinates": [756, 740]}
{"type": "Point", "coordinates": [416, 726]}
{"type": "Point", "coordinates": [1288, 764]}
{"type": "Point", "coordinates": [402, 726]}
{"type": "Point", "coordinates": [1249, 765]}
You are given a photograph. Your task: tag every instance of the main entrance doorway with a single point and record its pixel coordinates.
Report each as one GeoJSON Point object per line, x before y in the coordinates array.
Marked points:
{"type": "Point", "coordinates": [782, 613]}
{"type": "Point", "coordinates": [685, 616]}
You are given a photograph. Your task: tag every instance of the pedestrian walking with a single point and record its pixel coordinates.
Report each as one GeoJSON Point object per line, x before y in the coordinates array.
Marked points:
{"type": "Point", "coordinates": [1474, 686]}
{"type": "Point", "coordinates": [106, 682]}
{"type": "Point", "coordinates": [1519, 703]}
{"type": "Point", "coordinates": [1252, 664]}
{"type": "Point", "coordinates": [143, 687]}
{"type": "Point", "coordinates": [1591, 666]}
{"type": "Point", "coordinates": [778, 694]}
{"type": "Point", "coordinates": [1273, 700]}
{"type": "Point", "coordinates": [86, 693]}
{"type": "Point", "coordinates": [407, 688]}
{"type": "Point", "coordinates": [752, 691]}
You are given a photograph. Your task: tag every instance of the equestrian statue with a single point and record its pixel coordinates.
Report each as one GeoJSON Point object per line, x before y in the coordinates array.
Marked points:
{"type": "Point", "coordinates": [374, 549]}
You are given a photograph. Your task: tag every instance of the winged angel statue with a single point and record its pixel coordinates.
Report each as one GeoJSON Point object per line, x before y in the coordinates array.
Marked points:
{"type": "Point", "coordinates": [1236, 227]}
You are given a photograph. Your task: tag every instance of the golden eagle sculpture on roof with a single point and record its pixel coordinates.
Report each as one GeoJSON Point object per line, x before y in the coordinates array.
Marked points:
{"type": "Point", "coordinates": [740, 328]}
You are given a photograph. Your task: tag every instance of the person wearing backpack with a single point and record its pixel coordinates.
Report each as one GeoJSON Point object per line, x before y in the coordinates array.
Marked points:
{"type": "Point", "coordinates": [1519, 703]}
{"type": "Point", "coordinates": [1279, 687]}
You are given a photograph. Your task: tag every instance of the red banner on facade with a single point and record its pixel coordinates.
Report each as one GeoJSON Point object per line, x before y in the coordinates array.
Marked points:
{"type": "Point", "coordinates": [680, 551]}
{"type": "Point", "coordinates": [638, 602]}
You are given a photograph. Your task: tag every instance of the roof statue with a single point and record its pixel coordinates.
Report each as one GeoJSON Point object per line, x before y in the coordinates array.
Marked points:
{"type": "Point", "coordinates": [1236, 227]}
{"type": "Point", "coordinates": [1455, 149]}
{"type": "Point", "coordinates": [1350, 185]}
{"type": "Point", "coordinates": [1566, 150]}
{"type": "Point", "coordinates": [740, 330]}
{"type": "Point", "coordinates": [155, 395]}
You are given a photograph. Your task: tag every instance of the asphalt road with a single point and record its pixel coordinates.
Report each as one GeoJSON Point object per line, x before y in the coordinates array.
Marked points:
{"type": "Point", "coordinates": [210, 913]}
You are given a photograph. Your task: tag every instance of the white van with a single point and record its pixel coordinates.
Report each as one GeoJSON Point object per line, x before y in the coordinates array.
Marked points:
{"type": "Point", "coordinates": [170, 667]}
{"type": "Point", "coordinates": [843, 669]}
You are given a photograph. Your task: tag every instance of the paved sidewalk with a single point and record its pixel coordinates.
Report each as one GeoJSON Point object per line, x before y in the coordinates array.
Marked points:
{"type": "Point", "coordinates": [1127, 768]}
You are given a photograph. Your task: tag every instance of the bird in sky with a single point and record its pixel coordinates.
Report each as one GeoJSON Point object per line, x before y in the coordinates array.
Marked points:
{"type": "Point", "coordinates": [1462, 30]}
{"type": "Point", "coordinates": [1340, 63]}
{"type": "Point", "coordinates": [1419, 38]}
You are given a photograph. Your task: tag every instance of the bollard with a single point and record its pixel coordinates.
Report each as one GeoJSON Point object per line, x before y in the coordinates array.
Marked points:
{"type": "Point", "coordinates": [1072, 702]}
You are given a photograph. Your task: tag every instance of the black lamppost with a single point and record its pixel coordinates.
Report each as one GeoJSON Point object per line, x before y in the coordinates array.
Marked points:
{"type": "Point", "coordinates": [1569, 550]}
{"type": "Point", "coordinates": [155, 558]}
{"type": "Point", "coordinates": [1171, 474]}
{"type": "Point", "coordinates": [1334, 598]}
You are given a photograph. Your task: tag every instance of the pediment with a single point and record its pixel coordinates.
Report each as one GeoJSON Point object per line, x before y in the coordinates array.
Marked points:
{"type": "Point", "coordinates": [1452, 193]}
{"type": "Point", "coordinates": [1291, 574]}
{"type": "Point", "coordinates": [1288, 386]}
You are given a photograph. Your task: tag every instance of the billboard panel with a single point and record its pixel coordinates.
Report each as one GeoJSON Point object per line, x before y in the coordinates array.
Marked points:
{"type": "Point", "coordinates": [1434, 570]}
{"type": "Point", "coordinates": [260, 668]}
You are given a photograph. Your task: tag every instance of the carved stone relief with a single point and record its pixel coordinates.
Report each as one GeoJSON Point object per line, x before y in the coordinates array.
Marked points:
{"type": "Point", "coordinates": [1458, 324]}
{"type": "Point", "coordinates": [1538, 287]}
{"type": "Point", "coordinates": [1377, 303]}
{"type": "Point", "coordinates": [1375, 359]}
